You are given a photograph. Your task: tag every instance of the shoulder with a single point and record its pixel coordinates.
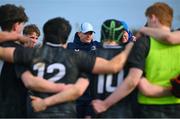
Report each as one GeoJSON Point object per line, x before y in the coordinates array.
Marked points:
{"type": "Point", "coordinates": [143, 42]}
{"type": "Point", "coordinates": [23, 50]}
{"type": "Point", "coordinates": [108, 53]}
{"type": "Point", "coordinates": [70, 45]}
{"type": "Point", "coordinates": [97, 44]}
{"type": "Point", "coordinates": [139, 53]}
{"type": "Point", "coordinates": [22, 54]}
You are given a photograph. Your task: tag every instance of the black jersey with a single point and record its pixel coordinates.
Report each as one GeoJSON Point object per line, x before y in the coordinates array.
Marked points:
{"type": "Point", "coordinates": [104, 85]}
{"type": "Point", "coordinates": [139, 53]}
{"type": "Point", "coordinates": [13, 93]}
{"type": "Point", "coordinates": [55, 64]}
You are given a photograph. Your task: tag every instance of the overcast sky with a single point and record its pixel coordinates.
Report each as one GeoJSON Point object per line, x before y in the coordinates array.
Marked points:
{"type": "Point", "coordinates": [93, 11]}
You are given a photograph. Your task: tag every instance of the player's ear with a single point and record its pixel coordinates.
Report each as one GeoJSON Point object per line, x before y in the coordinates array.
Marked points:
{"type": "Point", "coordinates": [15, 26]}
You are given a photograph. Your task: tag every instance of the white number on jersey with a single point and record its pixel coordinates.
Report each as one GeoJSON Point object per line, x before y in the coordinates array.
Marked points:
{"type": "Point", "coordinates": [107, 82]}
{"type": "Point", "coordinates": [40, 67]}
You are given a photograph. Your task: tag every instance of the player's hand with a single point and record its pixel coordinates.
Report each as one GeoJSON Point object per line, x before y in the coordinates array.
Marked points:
{"type": "Point", "coordinates": [133, 38]}
{"type": "Point", "coordinates": [99, 106]}
{"type": "Point", "coordinates": [38, 104]}
{"type": "Point", "coordinates": [28, 42]}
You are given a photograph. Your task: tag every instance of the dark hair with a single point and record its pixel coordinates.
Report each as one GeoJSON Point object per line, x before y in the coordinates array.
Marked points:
{"type": "Point", "coordinates": [10, 14]}
{"type": "Point", "coordinates": [112, 30]}
{"type": "Point", "coordinates": [29, 29]}
{"type": "Point", "coordinates": [56, 30]}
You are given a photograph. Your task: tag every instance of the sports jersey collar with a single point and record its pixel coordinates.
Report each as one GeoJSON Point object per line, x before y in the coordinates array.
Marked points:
{"type": "Point", "coordinates": [54, 45]}
{"type": "Point", "coordinates": [111, 46]}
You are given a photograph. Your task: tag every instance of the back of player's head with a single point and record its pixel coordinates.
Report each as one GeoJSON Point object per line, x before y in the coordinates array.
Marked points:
{"type": "Point", "coordinates": [11, 14]}
{"type": "Point", "coordinates": [162, 11]}
{"type": "Point", "coordinates": [29, 29]}
{"type": "Point", "coordinates": [56, 30]}
{"type": "Point", "coordinates": [112, 30]}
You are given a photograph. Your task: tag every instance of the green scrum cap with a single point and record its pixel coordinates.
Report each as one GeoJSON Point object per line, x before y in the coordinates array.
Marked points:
{"type": "Point", "coordinates": [112, 29]}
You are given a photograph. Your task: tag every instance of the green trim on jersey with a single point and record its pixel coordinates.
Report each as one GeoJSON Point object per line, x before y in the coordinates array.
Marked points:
{"type": "Point", "coordinates": [162, 64]}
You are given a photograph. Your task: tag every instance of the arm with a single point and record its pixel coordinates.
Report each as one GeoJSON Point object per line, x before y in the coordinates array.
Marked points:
{"type": "Point", "coordinates": [40, 84]}
{"type": "Point", "coordinates": [155, 90]}
{"type": "Point", "coordinates": [125, 88]}
{"type": "Point", "coordinates": [115, 64]}
{"type": "Point", "coordinates": [165, 36]}
{"type": "Point", "coordinates": [6, 54]}
{"type": "Point", "coordinates": [72, 93]}
{"type": "Point", "coordinates": [6, 36]}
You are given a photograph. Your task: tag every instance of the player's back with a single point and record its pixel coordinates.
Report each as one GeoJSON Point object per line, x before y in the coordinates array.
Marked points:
{"type": "Point", "coordinates": [58, 65]}
{"type": "Point", "coordinates": [105, 84]}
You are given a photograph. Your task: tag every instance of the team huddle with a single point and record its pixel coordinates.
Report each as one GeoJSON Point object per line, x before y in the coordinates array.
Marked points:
{"type": "Point", "coordinates": [122, 76]}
